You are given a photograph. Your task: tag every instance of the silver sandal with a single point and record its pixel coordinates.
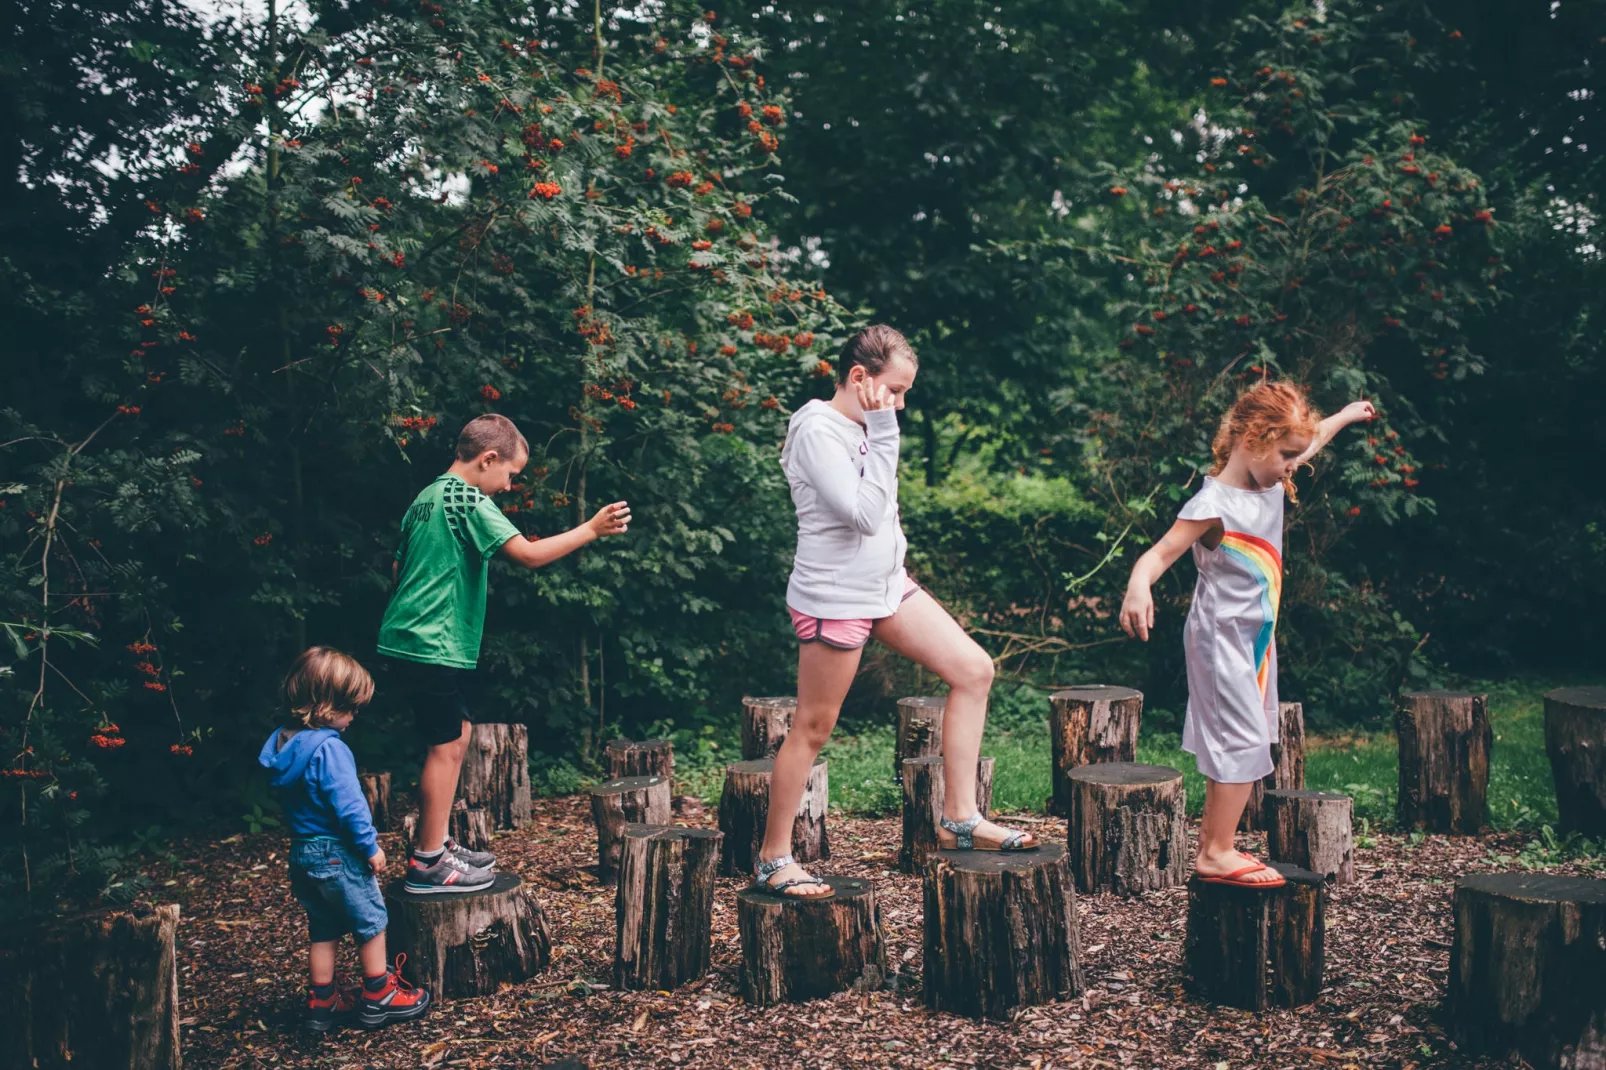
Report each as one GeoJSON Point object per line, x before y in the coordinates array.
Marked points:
{"type": "Point", "coordinates": [964, 832]}
{"type": "Point", "coordinates": [763, 872]}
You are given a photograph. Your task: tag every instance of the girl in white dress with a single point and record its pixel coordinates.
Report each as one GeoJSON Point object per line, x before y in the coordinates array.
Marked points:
{"type": "Point", "coordinates": [1235, 526]}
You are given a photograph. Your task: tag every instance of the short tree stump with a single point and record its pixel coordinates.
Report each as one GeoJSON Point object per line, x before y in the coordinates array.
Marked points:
{"type": "Point", "coordinates": [1444, 761]}
{"type": "Point", "coordinates": [1575, 737]}
{"type": "Point", "coordinates": [468, 943]}
{"type": "Point", "coordinates": [795, 950]}
{"type": "Point", "coordinates": [1287, 764]}
{"type": "Point", "coordinates": [496, 773]}
{"type": "Point", "coordinates": [744, 806]}
{"type": "Point", "coordinates": [924, 793]}
{"type": "Point", "coordinates": [665, 906]}
{"type": "Point", "coordinates": [469, 827]}
{"type": "Point", "coordinates": [1256, 948]}
{"type": "Point", "coordinates": [642, 800]}
{"type": "Point", "coordinates": [765, 722]}
{"type": "Point", "coordinates": [647, 757]}
{"type": "Point", "coordinates": [1096, 723]}
{"type": "Point", "coordinates": [919, 731]}
{"type": "Point", "coordinates": [1127, 828]}
{"type": "Point", "coordinates": [376, 790]}
{"type": "Point", "coordinates": [1312, 830]}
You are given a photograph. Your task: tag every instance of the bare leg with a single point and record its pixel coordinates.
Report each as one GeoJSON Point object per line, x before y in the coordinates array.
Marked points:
{"type": "Point", "coordinates": [1224, 805]}
{"type": "Point", "coordinates": [372, 956]}
{"type": "Point", "coordinates": [437, 787]}
{"type": "Point", "coordinates": [321, 959]}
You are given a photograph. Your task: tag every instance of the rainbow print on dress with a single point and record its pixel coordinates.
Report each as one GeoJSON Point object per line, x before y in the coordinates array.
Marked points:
{"type": "Point", "coordinates": [1262, 561]}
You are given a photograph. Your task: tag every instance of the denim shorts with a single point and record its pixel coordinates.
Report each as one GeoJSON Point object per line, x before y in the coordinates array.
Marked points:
{"type": "Point", "coordinates": [338, 890]}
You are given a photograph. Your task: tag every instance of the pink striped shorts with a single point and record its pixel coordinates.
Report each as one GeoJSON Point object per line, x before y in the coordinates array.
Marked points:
{"type": "Point", "coordinates": [842, 634]}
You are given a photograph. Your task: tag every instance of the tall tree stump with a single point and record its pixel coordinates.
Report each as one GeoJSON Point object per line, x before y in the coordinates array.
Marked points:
{"type": "Point", "coordinates": [1000, 931]}
{"type": "Point", "coordinates": [924, 792]}
{"type": "Point", "coordinates": [99, 990]}
{"type": "Point", "coordinates": [765, 722]}
{"type": "Point", "coordinates": [744, 806]}
{"type": "Point", "coordinates": [1287, 761]}
{"type": "Point", "coordinates": [496, 773]}
{"type": "Point", "coordinates": [640, 800]}
{"type": "Point", "coordinates": [471, 828]}
{"type": "Point", "coordinates": [1575, 737]}
{"type": "Point", "coordinates": [919, 732]}
{"type": "Point", "coordinates": [795, 950]}
{"type": "Point", "coordinates": [1127, 828]}
{"type": "Point", "coordinates": [1312, 830]}
{"type": "Point", "coordinates": [376, 789]}
{"type": "Point", "coordinates": [1096, 723]}
{"type": "Point", "coordinates": [1528, 969]}
{"type": "Point", "coordinates": [664, 910]}
{"type": "Point", "coordinates": [648, 757]}
{"type": "Point", "coordinates": [1444, 761]}
{"type": "Point", "coordinates": [1257, 947]}
{"type": "Point", "coordinates": [468, 943]}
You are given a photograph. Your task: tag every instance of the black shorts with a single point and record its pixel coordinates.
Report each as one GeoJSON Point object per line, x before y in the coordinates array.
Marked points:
{"type": "Point", "coordinates": [441, 697]}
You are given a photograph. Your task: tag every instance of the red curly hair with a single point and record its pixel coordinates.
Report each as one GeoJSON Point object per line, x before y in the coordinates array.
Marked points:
{"type": "Point", "coordinates": [1262, 416]}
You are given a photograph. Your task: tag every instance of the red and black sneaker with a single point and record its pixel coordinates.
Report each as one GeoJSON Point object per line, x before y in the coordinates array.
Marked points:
{"type": "Point", "coordinates": [324, 1015]}
{"type": "Point", "coordinates": [398, 1001]}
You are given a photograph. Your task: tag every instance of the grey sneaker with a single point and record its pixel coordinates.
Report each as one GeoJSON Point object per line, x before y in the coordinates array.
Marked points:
{"type": "Point", "coordinates": [448, 874]}
{"type": "Point", "coordinates": [475, 859]}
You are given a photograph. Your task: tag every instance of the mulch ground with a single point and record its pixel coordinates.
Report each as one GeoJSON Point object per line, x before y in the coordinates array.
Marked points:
{"type": "Point", "coordinates": [243, 946]}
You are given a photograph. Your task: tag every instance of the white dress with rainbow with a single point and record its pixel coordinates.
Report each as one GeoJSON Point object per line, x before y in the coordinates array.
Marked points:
{"type": "Point", "coordinates": [1231, 637]}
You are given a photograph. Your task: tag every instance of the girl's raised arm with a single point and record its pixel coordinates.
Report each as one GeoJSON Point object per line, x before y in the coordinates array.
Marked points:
{"type": "Point", "coordinates": [1137, 608]}
{"type": "Point", "coordinates": [1353, 413]}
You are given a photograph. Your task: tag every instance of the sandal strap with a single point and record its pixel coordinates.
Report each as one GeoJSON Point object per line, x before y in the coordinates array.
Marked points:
{"type": "Point", "coordinates": [964, 831]}
{"type": "Point", "coordinates": [795, 883]}
{"type": "Point", "coordinates": [763, 871]}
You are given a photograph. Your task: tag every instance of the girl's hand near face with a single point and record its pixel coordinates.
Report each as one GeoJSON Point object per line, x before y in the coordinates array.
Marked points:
{"type": "Point", "coordinates": [872, 395]}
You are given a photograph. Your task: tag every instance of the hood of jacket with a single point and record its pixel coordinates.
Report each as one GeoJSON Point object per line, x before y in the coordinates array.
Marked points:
{"type": "Point", "coordinates": [288, 763]}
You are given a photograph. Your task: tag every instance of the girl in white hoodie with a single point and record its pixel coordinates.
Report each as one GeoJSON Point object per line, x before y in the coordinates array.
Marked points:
{"type": "Point", "coordinates": [848, 585]}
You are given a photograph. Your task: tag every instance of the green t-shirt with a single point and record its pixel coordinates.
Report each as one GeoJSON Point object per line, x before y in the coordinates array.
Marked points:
{"type": "Point", "coordinates": [437, 611]}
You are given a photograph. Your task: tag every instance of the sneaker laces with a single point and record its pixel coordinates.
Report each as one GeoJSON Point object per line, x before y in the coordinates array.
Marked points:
{"type": "Point", "coordinates": [396, 971]}
{"type": "Point", "coordinates": [451, 860]}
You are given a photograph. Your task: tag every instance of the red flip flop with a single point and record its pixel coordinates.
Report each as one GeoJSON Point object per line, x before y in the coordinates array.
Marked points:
{"type": "Point", "coordinates": [1235, 878]}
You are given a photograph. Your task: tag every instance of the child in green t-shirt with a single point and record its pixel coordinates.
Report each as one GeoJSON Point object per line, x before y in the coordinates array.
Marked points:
{"type": "Point", "coordinates": [436, 614]}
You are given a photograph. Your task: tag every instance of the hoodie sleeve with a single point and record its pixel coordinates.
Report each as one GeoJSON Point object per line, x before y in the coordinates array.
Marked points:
{"type": "Point", "coordinates": [861, 502]}
{"type": "Point", "coordinates": [333, 774]}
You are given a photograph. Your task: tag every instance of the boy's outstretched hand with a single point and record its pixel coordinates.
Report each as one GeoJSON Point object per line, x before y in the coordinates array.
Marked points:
{"type": "Point", "coordinates": [377, 861]}
{"type": "Point", "coordinates": [611, 520]}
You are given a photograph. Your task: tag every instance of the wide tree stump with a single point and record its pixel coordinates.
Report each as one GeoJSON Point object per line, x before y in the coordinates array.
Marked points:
{"type": "Point", "coordinates": [1000, 931]}
{"type": "Point", "coordinates": [1090, 724]}
{"type": "Point", "coordinates": [1528, 969]}
{"type": "Point", "coordinates": [924, 793]}
{"type": "Point", "coordinates": [376, 789]}
{"type": "Point", "coordinates": [1444, 761]}
{"type": "Point", "coordinates": [641, 800]}
{"type": "Point", "coordinates": [648, 757]}
{"type": "Point", "coordinates": [919, 732]}
{"type": "Point", "coordinates": [468, 943]}
{"type": "Point", "coordinates": [496, 773]}
{"type": "Point", "coordinates": [1575, 737]}
{"type": "Point", "coordinates": [795, 950]}
{"type": "Point", "coordinates": [765, 722]}
{"type": "Point", "coordinates": [1127, 828]}
{"type": "Point", "coordinates": [744, 806]}
{"type": "Point", "coordinates": [1257, 947]}
{"type": "Point", "coordinates": [471, 828]}
{"type": "Point", "coordinates": [664, 909]}
{"type": "Point", "coordinates": [1311, 829]}
{"type": "Point", "coordinates": [1288, 764]}
{"type": "Point", "coordinates": [99, 990]}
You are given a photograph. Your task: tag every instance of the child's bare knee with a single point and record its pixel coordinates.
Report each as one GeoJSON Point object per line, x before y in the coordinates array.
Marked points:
{"type": "Point", "coordinates": [974, 672]}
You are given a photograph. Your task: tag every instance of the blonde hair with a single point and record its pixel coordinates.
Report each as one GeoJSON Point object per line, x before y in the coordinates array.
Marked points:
{"type": "Point", "coordinates": [324, 683]}
{"type": "Point", "coordinates": [1263, 415]}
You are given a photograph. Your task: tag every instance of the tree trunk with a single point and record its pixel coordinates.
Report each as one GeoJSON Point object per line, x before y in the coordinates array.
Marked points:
{"type": "Point", "coordinates": [919, 732]}
{"type": "Point", "coordinates": [1444, 761]}
{"type": "Point", "coordinates": [923, 797]}
{"type": "Point", "coordinates": [1575, 737]}
{"type": "Point", "coordinates": [1000, 931]}
{"type": "Point", "coordinates": [1256, 948]}
{"type": "Point", "coordinates": [664, 910]}
{"type": "Point", "coordinates": [1311, 829]}
{"type": "Point", "coordinates": [469, 943]}
{"type": "Point", "coordinates": [1127, 828]}
{"type": "Point", "coordinates": [470, 828]}
{"type": "Point", "coordinates": [1527, 968]}
{"type": "Point", "coordinates": [744, 806]}
{"type": "Point", "coordinates": [376, 789]}
{"type": "Point", "coordinates": [496, 773]}
{"type": "Point", "coordinates": [1288, 764]}
{"type": "Point", "coordinates": [765, 722]}
{"type": "Point", "coordinates": [641, 800]}
{"type": "Point", "coordinates": [795, 950]}
{"type": "Point", "coordinates": [650, 757]}
{"type": "Point", "coordinates": [1090, 724]}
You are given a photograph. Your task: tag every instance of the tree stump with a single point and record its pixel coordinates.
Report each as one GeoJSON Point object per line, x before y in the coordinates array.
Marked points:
{"type": "Point", "coordinates": [744, 806]}
{"type": "Point", "coordinates": [795, 950]}
{"type": "Point", "coordinates": [765, 722]}
{"type": "Point", "coordinates": [641, 800]}
{"type": "Point", "coordinates": [1257, 947]}
{"type": "Point", "coordinates": [376, 789]}
{"type": "Point", "coordinates": [1575, 737]}
{"type": "Point", "coordinates": [496, 773]}
{"type": "Point", "coordinates": [1090, 724]}
{"type": "Point", "coordinates": [1288, 764]}
{"type": "Point", "coordinates": [1311, 829]}
{"type": "Point", "coordinates": [468, 943]}
{"type": "Point", "coordinates": [919, 732]}
{"type": "Point", "coordinates": [1528, 969]}
{"type": "Point", "coordinates": [99, 990]}
{"type": "Point", "coordinates": [1000, 931]}
{"type": "Point", "coordinates": [1444, 761]}
{"type": "Point", "coordinates": [923, 797]}
{"type": "Point", "coordinates": [664, 910]}
{"type": "Point", "coordinates": [649, 757]}
{"type": "Point", "coordinates": [1127, 828]}
{"type": "Point", "coordinates": [471, 828]}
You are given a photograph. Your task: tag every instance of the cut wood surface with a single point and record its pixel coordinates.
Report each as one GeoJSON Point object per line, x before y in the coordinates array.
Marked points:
{"type": "Point", "coordinates": [1312, 830]}
{"type": "Point", "coordinates": [1127, 828]}
{"type": "Point", "coordinates": [795, 950]}
{"type": "Point", "coordinates": [1093, 723]}
{"type": "Point", "coordinates": [468, 943]}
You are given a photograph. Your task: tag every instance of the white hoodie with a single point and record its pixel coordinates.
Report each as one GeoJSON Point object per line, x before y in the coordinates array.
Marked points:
{"type": "Point", "coordinates": [850, 546]}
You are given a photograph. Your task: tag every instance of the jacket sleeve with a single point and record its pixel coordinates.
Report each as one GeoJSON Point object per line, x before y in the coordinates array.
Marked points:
{"type": "Point", "coordinates": [835, 478]}
{"type": "Point", "coordinates": [333, 771]}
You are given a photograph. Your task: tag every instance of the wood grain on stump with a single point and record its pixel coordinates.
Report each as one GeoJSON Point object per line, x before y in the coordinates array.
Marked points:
{"type": "Point", "coordinates": [1312, 830]}
{"type": "Point", "coordinates": [924, 792]}
{"type": "Point", "coordinates": [1257, 947]}
{"type": "Point", "coordinates": [795, 950]}
{"type": "Point", "coordinates": [1575, 737]}
{"type": "Point", "coordinates": [1126, 828]}
{"type": "Point", "coordinates": [1000, 931]}
{"type": "Point", "coordinates": [647, 757]}
{"type": "Point", "coordinates": [468, 943]}
{"type": "Point", "coordinates": [744, 806]}
{"type": "Point", "coordinates": [919, 732]}
{"type": "Point", "coordinates": [1444, 760]}
{"type": "Point", "coordinates": [1096, 723]}
{"type": "Point", "coordinates": [496, 773]}
{"type": "Point", "coordinates": [665, 906]}
{"type": "Point", "coordinates": [641, 800]}
{"type": "Point", "coordinates": [1528, 969]}
{"type": "Point", "coordinates": [376, 789]}
{"type": "Point", "coordinates": [765, 722]}
{"type": "Point", "coordinates": [471, 828]}
{"type": "Point", "coordinates": [1287, 761]}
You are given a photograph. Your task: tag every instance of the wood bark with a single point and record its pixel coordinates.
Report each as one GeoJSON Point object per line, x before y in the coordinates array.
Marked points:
{"type": "Point", "coordinates": [469, 943]}
{"type": "Point", "coordinates": [665, 906]}
{"type": "Point", "coordinates": [795, 950]}
{"type": "Point", "coordinates": [1575, 737]}
{"type": "Point", "coordinates": [648, 757]}
{"type": "Point", "coordinates": [919, 732]}
{"type": "Point", "coordinates": [1000, 931]}
{"type": "Point", "coordinates": [924, 792]}
{"type": "Point", "coordinates": [1127, 829]}
{"type": "Point", "coordinates": [765, 722]}
{"type": "Point", "coordinates": [1444, 761]}
{"type": "Point", "coordinates": [471, 828]}
{"type": "Point", "coordinates": [642, 800]}
{"type": "Point", "coordinates": [1528, 969]}
{"type": "Point", "coordinates": [1096, 723]}
{"type": "Point", "coordinates": [496, 773]}
{"type": "Point", "coordinates": [1288, 764]}
{"type": "Point", "coordinates": [744, 806]}
{"type": "Point", "coordinates": [1312, 830]}
{"type": "Point", "coordinates": [376, 789]}
{"type": "Point", "coordinates": [1256, 948]}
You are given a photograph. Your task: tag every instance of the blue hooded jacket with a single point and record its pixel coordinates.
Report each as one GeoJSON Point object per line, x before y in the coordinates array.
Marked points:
{"type": "Point", "coordinates": [315, 777]}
